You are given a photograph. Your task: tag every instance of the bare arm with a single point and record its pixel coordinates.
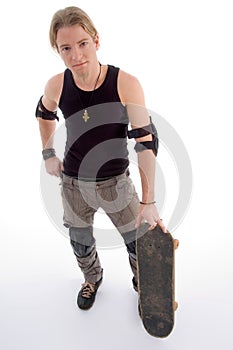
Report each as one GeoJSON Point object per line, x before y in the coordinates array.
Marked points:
{"type": "Point", "coordinates": [132, 95]}
{"type": "Point", "coordinates": [47, 127]}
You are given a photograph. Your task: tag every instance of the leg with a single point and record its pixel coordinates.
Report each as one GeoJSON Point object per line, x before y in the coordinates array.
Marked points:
{"type": "Point", "coordinates": [83, 244]}
{"type": "Point", "coordinates": [84, 248]}
{"type": "Point", "coordinates": [121, 204]}
{"type": "Point", "coordinates": [131, 249]}
{"type": "Point", "coordinates": [78, 217]}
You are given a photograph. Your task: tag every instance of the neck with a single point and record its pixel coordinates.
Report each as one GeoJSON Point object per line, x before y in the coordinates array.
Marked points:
{"type": "Point", "coordinates": [87, 80]}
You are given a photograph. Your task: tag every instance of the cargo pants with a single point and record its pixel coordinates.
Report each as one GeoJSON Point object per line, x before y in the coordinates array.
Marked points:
{"type": "Point", "coordinates": [81, 199]}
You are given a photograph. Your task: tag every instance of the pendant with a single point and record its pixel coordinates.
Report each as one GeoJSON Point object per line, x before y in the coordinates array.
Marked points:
{"type": "Point", "coordinates": [86, 116]}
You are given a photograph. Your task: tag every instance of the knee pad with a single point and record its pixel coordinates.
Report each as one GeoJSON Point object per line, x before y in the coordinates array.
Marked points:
{"type": "Point", "coordinates": [131, 249]}
{"type": "Point", "coordinates": [82, 235]}
{"type": "Point", "coordinates": [80, 250]}
{"type": "Point", "coordinates": [130, 242]}
{"type": "Point", "coordinates": [82, 240]}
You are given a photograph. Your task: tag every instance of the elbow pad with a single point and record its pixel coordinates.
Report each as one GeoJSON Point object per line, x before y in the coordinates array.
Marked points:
{"type": "Point", "coordinates": [144, 131]}
{"type": "Point", "coordinates": [44, 113]}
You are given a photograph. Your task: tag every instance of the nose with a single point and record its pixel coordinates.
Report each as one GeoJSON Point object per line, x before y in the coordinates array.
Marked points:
{"type": "Point", "coordinates": [76, 54]}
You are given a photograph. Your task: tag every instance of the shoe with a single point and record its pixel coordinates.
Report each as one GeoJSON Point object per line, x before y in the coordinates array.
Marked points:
{"type": "Point", "coordinates": [86, 295]}
{"type": "Point", "coordinates": [135, 284]}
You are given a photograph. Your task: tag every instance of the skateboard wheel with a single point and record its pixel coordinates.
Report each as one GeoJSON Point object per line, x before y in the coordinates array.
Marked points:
{"type": "Point", "coordinates": [176, 243]}
{"type": "Point", "coordinates": [175, 305]}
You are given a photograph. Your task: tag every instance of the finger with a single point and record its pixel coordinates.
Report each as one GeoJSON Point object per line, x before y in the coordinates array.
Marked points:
{"type": "Point", "coordinates": [139, 220]}
{"type": "Point", "coordinates": [55, 173]}
{"type": "Point", "coordinates": [161, 224]}
{"type": "Point", "coordinates": [153, 226]}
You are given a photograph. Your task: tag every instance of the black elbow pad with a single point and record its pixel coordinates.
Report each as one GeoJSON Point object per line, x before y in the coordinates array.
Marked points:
{"type": "Point", "coordinates": [144, 131]}
{"type": "Point", "coordinates": [44, 113]}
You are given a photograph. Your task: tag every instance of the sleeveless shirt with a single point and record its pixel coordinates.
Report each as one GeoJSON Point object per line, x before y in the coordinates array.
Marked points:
{"type": "Point", "coordinates": [95, 149]}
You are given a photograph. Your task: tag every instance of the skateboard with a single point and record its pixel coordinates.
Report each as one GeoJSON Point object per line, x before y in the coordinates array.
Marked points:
{"type": "Point", "coordinates": [156, 281]}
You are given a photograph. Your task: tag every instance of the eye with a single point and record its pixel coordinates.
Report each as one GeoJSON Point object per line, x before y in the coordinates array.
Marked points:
{"type": "Point", "coordinates": [65, 50]}
{"type": "Point", "coordinates": [84, 43]}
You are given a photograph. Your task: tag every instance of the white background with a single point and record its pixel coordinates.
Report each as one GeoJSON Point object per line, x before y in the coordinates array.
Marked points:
{"type": "Point", "coordinates": [181, 51]}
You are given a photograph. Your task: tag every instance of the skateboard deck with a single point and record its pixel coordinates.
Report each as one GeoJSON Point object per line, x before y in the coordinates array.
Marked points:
{"type": "Point", "coordinates": [155, 262]}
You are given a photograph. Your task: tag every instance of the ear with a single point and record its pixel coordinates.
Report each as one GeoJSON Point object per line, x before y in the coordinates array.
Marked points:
{"type": "Point", "coordinates": [97, 41]}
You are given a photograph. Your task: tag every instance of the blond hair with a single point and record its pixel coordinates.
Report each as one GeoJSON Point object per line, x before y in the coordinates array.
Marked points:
{"type": "Point", "coordinates": [68, 17]}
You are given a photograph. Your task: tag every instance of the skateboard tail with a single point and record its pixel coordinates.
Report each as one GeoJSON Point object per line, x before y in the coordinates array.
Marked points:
{"type": "Point", "coordinates": [156, 282]}
{"type": "Point", "coordinates": [158, 326]}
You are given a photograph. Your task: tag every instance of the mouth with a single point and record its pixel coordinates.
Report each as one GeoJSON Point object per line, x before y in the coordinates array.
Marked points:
{"type": "Point", "coordinates": [77, 65]}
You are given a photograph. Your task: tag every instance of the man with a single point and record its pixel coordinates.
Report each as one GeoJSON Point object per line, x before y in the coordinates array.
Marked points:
{"type": "Point", "coordinates": [98, 103]}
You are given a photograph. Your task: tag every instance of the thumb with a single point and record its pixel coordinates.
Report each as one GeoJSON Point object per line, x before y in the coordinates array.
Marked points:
{"type": "Point", "coordinates": [61, 166]}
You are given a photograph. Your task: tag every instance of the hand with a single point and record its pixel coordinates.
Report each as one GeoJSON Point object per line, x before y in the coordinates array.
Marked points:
{"type": "Point", "coordinates": [54, 166]}
{"type": "Point", "coordinates": [150, 214]}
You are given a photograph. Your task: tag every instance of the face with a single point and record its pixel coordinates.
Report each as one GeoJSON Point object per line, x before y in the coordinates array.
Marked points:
{"type": "Point", "coordinates": [77, 48]}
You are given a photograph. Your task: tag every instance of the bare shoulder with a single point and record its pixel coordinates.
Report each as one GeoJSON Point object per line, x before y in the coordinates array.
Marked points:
{"type": "Point", "coordinates": [130, 89]}
{"type": "Point", "coordinates": [132, 95]}
{"type": "Point", "coordinates": [52, 91]}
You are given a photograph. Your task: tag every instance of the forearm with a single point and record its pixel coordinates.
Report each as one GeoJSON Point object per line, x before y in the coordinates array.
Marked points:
{"type": "Point", "coordinates": [53, 164]}
{"type": "Point", "coordinates": [47, 129]}
{"type": "Point", "coordinates": [147, 165]}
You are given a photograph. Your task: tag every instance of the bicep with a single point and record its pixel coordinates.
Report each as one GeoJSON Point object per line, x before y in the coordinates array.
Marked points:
{"type": "Point", "coordinates": [49, 99]}
{"type": "Point", "coordinates": [134, 100]}
{"type": "Point", "coordinates": [52, 92]}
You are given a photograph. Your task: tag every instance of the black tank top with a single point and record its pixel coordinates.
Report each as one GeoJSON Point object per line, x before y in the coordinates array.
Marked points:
{"type": "Point", "coordinates": [97, 148]}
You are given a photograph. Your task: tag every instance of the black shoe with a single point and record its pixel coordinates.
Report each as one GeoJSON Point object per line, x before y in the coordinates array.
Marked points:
{"type": "Point", "coordinates": [135, 284]}
{"type": "Point", "coordinates": [86, 296]}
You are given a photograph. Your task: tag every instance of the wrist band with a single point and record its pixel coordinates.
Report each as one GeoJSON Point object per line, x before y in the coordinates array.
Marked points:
{"type": "Point", "coordinates": [48, 153]}
{"type": "Point", "coordinates": [148, 203]}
